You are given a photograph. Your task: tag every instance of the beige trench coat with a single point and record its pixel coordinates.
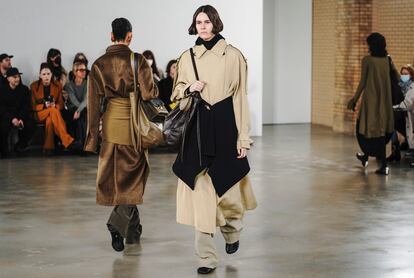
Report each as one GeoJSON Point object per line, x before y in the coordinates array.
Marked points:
{"type": "Point", "coordinates": [122, 170]}
{"type": "Point", "coordinates": [224, 70]}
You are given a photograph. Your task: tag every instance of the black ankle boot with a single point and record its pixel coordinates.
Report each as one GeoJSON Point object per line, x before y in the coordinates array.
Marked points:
{"type": "Point", "coordinates": [383, 170]}
{"type": "Point", "coordinates": [232, 247]}
{"type": "Point", "coordinates": [117, 239]}
{"type": "Point", "coordinates": [205, 270]}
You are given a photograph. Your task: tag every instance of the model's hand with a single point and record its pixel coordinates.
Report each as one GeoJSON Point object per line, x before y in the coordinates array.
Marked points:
{"type": "Point", "coordinates": [76, 115]}
{"type": "Point", "coordinates": [351, 104]}
{"type": "Point", "coordinates": [15, 122]}
{"type": "Point", "coordinates": [21, 123]}
{"type": "Point", "coordinates": [197, 86]}
{"type": "Point", "coordinates": [242, 152]}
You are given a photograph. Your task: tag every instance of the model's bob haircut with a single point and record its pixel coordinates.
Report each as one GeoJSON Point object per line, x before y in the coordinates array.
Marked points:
{"type": "Point", "coordinates": [212, 14]}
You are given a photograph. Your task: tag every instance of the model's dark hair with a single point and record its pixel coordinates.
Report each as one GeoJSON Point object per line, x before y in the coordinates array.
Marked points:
{"type": "Point", "coordinates": [169, 65]}
{"type": "Point", "coordinates": [120, 28]}
{"type": "Point", "coordinates": [78, 58]}
{"type": "Point", "coordinates": [212, 14]}
{"type": "Point", "coordinates": [149, 55]}
{"type": "Point", "coordinates": [377, 45]}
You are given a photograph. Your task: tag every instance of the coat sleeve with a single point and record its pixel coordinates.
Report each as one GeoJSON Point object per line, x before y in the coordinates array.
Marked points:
{"type": "Point", "coordinates": [363, 80]}
{"type": "Point", "coordinates": [25, 106]}
{"type": "Point", "coordinates": [241, 106]}
{"type": "Point", "coordinates": [95, 93]}
{"type": "Point", "coordinates": [181, 81]}
{"type": "Point", "coordinates": [148, 88]}
{"type": "Point", "coordinates": [408, 103]}
{"type": "Point", "coordinates": [37, 102]}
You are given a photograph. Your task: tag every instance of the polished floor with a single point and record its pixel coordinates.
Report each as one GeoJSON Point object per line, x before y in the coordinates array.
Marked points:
{"type": "Point", "coordinates": [320, 215]}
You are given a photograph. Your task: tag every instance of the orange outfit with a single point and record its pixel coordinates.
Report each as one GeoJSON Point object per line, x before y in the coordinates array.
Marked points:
{"type": "Point", "coordinates": [51, 117]}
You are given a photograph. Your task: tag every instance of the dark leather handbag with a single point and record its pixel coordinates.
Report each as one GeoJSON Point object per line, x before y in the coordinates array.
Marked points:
{"type": "Point", "coordinates": [396, 92]}
{"type": "Point", "coordinates": [154, 108]}
{"type": "Point", "coordinates": [177, 121]}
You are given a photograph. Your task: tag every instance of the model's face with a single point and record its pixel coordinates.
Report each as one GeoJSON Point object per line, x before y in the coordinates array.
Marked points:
{"type": "Point", "coordinates": [14, 80]}
{"type": "Point", "coordinates": [45, 76]}
{"type": "Point", "coordinates": [173, 70]}
{"type": "Point", "coordinates": [204, 27]}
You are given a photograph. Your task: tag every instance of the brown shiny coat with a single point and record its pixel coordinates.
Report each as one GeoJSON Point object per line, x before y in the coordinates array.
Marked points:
{"type": "Point", "coordinates": [122, 171]}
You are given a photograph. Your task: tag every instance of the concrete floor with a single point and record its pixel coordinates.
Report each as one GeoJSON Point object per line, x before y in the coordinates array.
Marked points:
{"type": "Point", "coordinates": [319, 215]}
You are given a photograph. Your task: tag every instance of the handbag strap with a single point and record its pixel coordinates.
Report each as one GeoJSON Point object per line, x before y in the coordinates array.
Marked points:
{"type": "Point", "coordinates": [194, 63]}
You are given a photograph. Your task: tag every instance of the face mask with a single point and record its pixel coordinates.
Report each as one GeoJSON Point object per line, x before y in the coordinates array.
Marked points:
{"type": "Point", "coordinates": [405, 78]}
{"type": "Point", "coordinates": [150, 62]}
{"type": "Point", "coordinates": [58, 60]}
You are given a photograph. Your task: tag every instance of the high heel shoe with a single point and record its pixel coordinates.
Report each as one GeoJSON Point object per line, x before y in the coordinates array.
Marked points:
{"type": "Point", "coordinates": [363, 158]}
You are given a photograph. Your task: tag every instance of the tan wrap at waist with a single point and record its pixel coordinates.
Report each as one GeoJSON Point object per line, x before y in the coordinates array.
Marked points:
{"type": "Point", "coordinates": [120, 123]}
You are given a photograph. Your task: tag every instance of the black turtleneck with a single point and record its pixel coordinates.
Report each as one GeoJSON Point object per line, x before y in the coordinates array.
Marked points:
{"type": "Point", "coordinates": [211, 43]}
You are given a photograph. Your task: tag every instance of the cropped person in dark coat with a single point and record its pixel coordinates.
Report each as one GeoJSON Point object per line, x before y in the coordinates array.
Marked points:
{"type": "Point", "coordinates": [15, 111]}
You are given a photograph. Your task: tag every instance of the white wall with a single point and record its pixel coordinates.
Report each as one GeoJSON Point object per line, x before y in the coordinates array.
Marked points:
{"type": "Point", "coordinates": [287, 94]}
{"type": "Point", "coordinates": [32, 27]}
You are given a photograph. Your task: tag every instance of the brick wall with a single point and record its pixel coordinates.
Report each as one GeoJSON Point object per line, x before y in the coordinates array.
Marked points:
{"type": "Point", "coordinates": [339, 31]}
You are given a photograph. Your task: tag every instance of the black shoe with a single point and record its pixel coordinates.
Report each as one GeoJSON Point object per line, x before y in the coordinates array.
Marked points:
{"type": "Point", "coordinates": [394, 157]}
{"type": "Point", "coordinates": [232, 247]}
{"type": "Point", "coordinates": [363, 158]}
{"type": "Point", "coordinates": [117, 241]}
{"type": "Point", "coordinates": [384, 170]}
{"type": "Point", "coordinates": [205, 270]}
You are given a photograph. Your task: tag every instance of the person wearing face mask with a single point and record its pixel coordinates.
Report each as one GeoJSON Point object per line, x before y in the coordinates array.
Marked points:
{"type": "Point", "coordinates": [54, 58]}
{"type": "Point", "coordinates": [212, 168]}
{"type": "Point", "coordinates": [157, 72]}
{"type": "Point", "coordinates": [15, 112]}
{"type": "Point", "coordinates": [165, 86]}
{"type": "Point", "coordinates": [47, 103]}
{"type": "Point", "coordinates": [404, 114]}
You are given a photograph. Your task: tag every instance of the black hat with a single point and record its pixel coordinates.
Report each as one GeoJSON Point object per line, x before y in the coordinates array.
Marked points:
{"type": "Point", "coordinates": [4, 56]}
{"type": "Point", "coordinates": [12, 72]}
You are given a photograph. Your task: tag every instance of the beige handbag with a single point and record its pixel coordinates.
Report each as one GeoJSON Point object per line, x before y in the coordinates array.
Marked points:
{"type": "Point", "coordinates": [146, 134]}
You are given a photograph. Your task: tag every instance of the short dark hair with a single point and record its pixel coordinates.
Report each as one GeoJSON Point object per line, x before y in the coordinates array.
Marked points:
{"type": "Point", "coordinates": [120, 28]}
{"type": "Point", "coordinates": [377, 45]}
{"type": "Point", "coordinates": [45, 66]}
{"type": "Point", "coordinates": [169, 65]}
{"type": "Point", "coordinates": [212, 14]}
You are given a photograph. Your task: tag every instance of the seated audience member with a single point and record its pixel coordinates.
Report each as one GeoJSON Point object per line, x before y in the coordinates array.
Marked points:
{"type": "Point", "coordinates": [47, 102]}
{"type": "Point", "coordinates": [15, 112]}
{"type": "Point", "coordinates": [79, 57]}
{"type": "Point", "coordinates": [5, 64]}
{"type": "Point", "coordinates": [54, 58]}
{"type": "Point", "coordinates": [158, 74]}
{"type": "Point", "coordinates": [165, 86]}
{"type": "Point", "coordinates": [404, 114]}
{"type": "Point", "coordinates": [75, 113]}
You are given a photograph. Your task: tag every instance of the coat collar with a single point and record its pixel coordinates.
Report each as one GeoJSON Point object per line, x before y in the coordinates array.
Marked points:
{"type": "Point", "coordinates": [219, 49]}
{"type": "Point", "coordinates": [116, 48]}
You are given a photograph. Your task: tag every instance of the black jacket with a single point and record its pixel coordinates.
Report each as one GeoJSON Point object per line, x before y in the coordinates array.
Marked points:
{"type": "Point", "coordinates": [15, 103]}
{"type": "Point", "coordinates": [165, 87]}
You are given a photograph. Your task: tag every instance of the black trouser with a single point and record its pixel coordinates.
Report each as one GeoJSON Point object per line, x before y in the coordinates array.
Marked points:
{"type": "Point", "coordinates": [25, 134]}
{"type": "Point", "coordinates": [76, 128]}
{"type": "Point", "coordinates": [125, 220]}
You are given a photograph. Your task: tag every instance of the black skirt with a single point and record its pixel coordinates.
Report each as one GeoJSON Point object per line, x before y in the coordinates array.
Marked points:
{"type": "Point", "coordinates": [372, 146]}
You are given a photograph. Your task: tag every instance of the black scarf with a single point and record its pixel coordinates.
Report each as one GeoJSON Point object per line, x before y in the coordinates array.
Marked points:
{"type": "Point", "coordinates": [211, 43]}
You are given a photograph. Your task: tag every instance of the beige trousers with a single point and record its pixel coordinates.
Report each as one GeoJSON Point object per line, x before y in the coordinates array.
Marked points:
{"type": "Point", "coordinates": [204, 242]}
